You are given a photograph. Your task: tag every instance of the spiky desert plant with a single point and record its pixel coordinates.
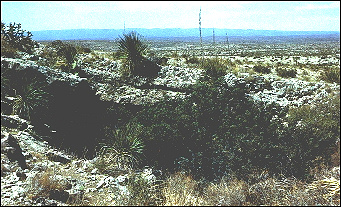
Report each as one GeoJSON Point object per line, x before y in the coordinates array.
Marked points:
{"type": "Point", "coordinates": [133, 49]}
{"type": "Point", "coordinates": [28, 98]}
{"type": "Point", "coordinates": [124, 148]}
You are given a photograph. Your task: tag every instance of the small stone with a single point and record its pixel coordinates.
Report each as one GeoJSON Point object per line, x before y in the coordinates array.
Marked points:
{"type": "Point", "coordinates": [94, 171]}
{"type": "Point", "coordinates": [100, 184]}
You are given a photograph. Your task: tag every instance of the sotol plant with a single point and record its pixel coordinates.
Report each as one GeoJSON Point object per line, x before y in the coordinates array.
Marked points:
{"type": "Point", "coordinates": [133, 49]}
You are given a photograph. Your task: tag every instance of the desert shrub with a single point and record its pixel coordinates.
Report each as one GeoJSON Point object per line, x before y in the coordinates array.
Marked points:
{"type": "Point", "coordinates": [133, 49]}
{"type": "Point", "coordinates": [261, 69]}
{"type": "Point", "coordinates": [7, 50]}
{"type": "Point", "coordinates": [214, 131]}
{"type": "Point", "coordinates": [60, 55]}
{"type": "Point", "coordinates": [286, 73]}
{"type": "Point", "coordinates": [331, 75]}
{"type": "Point", "coordinates": [312, 132]}
{"type": "Point", "coordinates": [28, 99]}
{"type": "Point", "coordinates": [142, 191]}
{"type": "Point", "coordinates": [192, 60]}
{"type": "Point", "coordinates": [214, 68]}
{"type": "Point", "coordinates": [13, 38]}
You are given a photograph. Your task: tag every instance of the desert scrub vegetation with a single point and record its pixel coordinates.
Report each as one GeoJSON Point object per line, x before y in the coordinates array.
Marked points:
{"type": "Point", "coordinates": [262, 69]}
{"type": "Point", "coordinates": [286, 72]}
{"type": "Point", "coordinates": [331, 74]}
{"type": "Point", "coordinates": [28, 90]}
{"type": "Point", "coordinates": [60, 55]}
{"type": "Point", "coordinates": [14, 39]}
{"type": "Point", "coordinates": [312, 132]}
{"type": "Point", "coordinates": [133, 49]}
{"type": "Point", "coordinates": [214, 68]}
{"type": "Point", "coordinates": [215, 131]}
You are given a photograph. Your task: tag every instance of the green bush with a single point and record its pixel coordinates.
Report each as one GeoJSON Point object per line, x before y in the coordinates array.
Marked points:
{"type": "Point", "coordinates": [192, 60]}
{"type": "Point", "coordinates": [214, 68]}
{"type": "Point", "coordinates": [261, 69]}
{"type": "Point", "coordinates": [124, 146]}
{"type": "Point", "coordinates": [331, 75]}
{"type": "Point", "coordinates": [13, 38]}
{"type": "Point", "coordinates": [215, 131]}
{"type": "Point", "coordinates": [218, 130]}
{"type": "Point", "coordinates": [312, 132]}
{"type": "Point", "coordinates": [286, 73]}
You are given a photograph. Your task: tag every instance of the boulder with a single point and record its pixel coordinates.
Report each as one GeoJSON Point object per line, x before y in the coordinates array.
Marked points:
{"type": "Point", "coordinates": [11, 147]}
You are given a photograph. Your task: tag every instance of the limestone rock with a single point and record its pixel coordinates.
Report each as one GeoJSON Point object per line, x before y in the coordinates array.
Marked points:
{"type": "Point", "coordinates": [11, 147]}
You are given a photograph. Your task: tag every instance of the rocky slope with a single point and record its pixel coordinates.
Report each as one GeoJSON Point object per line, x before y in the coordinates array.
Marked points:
{"type": "Point", "coordinates": [32, 169]}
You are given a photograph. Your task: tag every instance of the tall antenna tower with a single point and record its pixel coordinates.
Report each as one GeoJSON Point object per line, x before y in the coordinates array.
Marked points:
{"type": "Point", "coordinates": [213, 37]}
{"type": "Point", "coordinates": [202, 52]}
{"type": "Point", "coordinates": [227, 42]}
{"type": "Point", "coordinates": [200, 27]}
{"type": "Point", "coordinates": [124, 27]}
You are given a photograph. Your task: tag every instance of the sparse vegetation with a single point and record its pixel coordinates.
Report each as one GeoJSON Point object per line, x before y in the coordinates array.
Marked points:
{"type": "Point", "coordinates": [215, 145]}
{"type": "Point", "coordinates": [331, 75]}
{"type": "Point", "coordinates": [286, 72]}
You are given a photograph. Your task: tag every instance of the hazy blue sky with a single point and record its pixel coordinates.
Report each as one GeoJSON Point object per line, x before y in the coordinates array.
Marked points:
{"type": "Point", "coordinates": [290, 16]}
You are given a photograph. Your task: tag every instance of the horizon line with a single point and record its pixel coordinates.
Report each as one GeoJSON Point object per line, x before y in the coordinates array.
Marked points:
{"type": "Point", "coordinates": [191, 28]}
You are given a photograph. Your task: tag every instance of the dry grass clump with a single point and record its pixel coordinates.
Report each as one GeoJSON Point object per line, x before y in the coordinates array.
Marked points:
{"type": "Point", "coordinates": [42, 184]}
{"type": "Point", "coordinates": [181, 190]}
{"type": "Point", "coordinates": [227, 193]}
{"type": "Point", "coordinates": [52, 184]}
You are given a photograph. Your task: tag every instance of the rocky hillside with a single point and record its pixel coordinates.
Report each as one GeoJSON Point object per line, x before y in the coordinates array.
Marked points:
{"type": "Point", "coordinates": [35, 171]}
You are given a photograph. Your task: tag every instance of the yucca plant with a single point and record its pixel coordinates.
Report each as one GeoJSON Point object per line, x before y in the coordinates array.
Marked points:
{"type": "Point", "coordinates": [28, 98]}
{"type": "Point", "coordinates": [133, 49]}
{"type": "Point", "coordinates": [124, 148]}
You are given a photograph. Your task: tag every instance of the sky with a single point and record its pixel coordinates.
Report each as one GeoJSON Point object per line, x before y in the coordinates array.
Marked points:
{"type": "Point", "coordinates": [266, 15]}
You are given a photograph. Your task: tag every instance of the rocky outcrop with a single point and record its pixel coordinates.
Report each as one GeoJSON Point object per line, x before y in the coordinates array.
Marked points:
{"type": "Point", "coordinates": [11, 148]}
{"type": "Point", "coordinates": [14, 121]}
{"type": "Point", "coordinates": [285, 92]}
{"type": "Point", "coordinates": [48, 168]}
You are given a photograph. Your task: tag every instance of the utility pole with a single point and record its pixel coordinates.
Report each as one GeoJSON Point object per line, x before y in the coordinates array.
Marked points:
{"type": "Point", "coordinates": [202, 53]}
{"type": "Point", "coordinates": [213, 37]}
{"type": "Point", "coordinates": [227, 42]}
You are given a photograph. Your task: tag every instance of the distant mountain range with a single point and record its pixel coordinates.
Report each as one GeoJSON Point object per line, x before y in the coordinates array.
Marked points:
{"type": "Point", "coordinates": [111, 34]}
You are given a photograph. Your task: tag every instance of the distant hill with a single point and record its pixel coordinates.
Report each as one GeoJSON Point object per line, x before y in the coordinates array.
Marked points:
{"type": "Point", "coordinates": [111, 34]}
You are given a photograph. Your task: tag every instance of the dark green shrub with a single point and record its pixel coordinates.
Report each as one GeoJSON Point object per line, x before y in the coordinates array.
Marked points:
{"type": "Point", "coordinates": [215, 131]}
{"type": "Point", "coordinates": [286, 72]}
{"type": "Point", "coordinates": [13, 38]}
{"type": "Point", "coordinates": [311, 133]}
{"type": "Point", "coordinates": [192, 60]}
{"type": "Point", "coordinates": [331, 75]}
{"type": "Point", "coordinates": [7, 50]}
{"type": "Point", "coordinates": [214, 68]}
{"type": "Point", "coordinates": [261, 69]}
